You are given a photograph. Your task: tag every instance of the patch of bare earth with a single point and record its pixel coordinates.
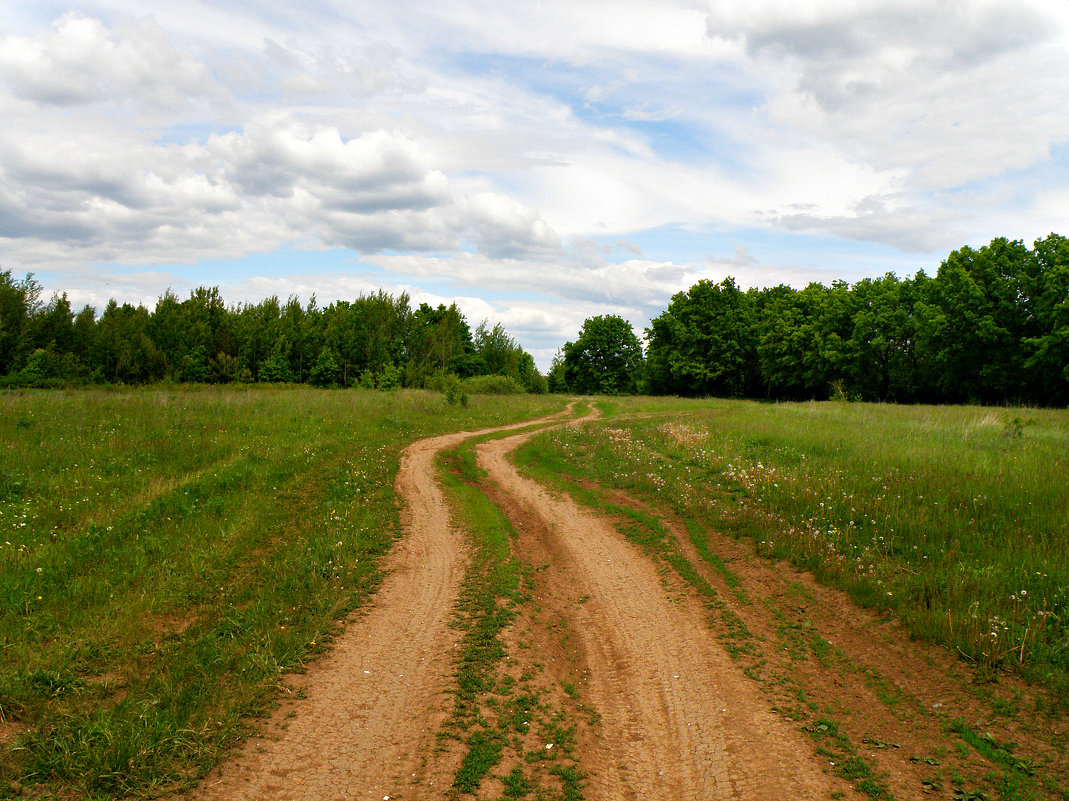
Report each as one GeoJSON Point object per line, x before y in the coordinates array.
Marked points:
{"type": "Point", "coordinates": [370, 710]}
{"type": "Point", "coordinates": [675, 716]}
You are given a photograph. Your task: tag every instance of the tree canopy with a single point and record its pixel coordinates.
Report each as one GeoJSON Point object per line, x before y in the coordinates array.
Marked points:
{"type": "Point", "coordinates": [376, 340]}
{"type": "Point", "coordinates": [606, 358]}
{"type": "Point", "coordinates": [992, 326]}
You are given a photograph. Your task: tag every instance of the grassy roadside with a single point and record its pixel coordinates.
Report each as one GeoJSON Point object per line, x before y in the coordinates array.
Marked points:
{"type": "Point", "coordinates": [516, 741]}
{"type": "Point", "coordinates": [748, 469]}
{"type": "Point", "coordinates": [166, 555]}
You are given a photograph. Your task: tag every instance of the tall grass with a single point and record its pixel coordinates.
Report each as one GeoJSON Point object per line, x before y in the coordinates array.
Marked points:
{"type": "Point", "coordinates": [167, 555]}
{"type": "Point", "coordinates": [955, 518]}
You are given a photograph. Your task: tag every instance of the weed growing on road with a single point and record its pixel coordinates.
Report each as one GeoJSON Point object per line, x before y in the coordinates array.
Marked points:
{"type": "Point", "coordinates": [498, 717]}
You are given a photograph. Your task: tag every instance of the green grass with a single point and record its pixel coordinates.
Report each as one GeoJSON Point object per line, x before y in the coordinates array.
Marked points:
{"type": "Point", "coordinates": [167, 555]}
{"type": "Point", "coordinates": [953, 518]}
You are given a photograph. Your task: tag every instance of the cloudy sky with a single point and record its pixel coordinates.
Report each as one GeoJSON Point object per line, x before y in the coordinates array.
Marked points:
{"type": "Point", "coordinates": [538, 162]}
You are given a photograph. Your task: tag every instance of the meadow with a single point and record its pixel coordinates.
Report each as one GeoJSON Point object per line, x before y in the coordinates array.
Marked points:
{"type": "Point", "coordinates": [955, 518]}
{"type": "Point", "coordinates": [168, 554]}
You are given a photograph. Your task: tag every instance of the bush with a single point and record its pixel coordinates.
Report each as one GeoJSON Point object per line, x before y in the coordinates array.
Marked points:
{"type": "Point", "coordinates": [275, 370]}
{"type": "Point", "coordinates": [390, 377]}
{"type": "Point", "coordinates": [325, 372]}
{"type": "Point", "coordinates": [439, 381]}
{"type": "Point", "coordinates": [454, 391]}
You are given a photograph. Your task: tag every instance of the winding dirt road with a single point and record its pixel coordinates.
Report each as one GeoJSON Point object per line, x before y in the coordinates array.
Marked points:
{"type": "Point", "coordinates": [373, 707]}
{"type": "Point", "coordinates": [671, 715]}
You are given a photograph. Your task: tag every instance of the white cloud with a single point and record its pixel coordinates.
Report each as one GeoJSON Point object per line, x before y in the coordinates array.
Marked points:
{"type": "Point", "coordinates": [279, 180]}
{"type": "Point", "coordinates": [934, 89]}
{"type": "Point", "coordinates": [495, 147]}
{"type": "Point", "coordinates": [881, 219]}
{"type": "Point", "coordinates": [320, 71]}
{"type": "Point", "coordinates": [80, 61]}
{"type": "Point", "coordinates": [576, 275]}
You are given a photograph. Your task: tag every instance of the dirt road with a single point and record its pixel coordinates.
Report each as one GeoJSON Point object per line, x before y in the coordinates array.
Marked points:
{"type": "Point", "coordinates": [633, 658]}
{"type": "Point", "coordinates": [679, 719]}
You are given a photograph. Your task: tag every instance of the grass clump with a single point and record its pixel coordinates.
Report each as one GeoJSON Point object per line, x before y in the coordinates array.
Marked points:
{"type": "Point", "coordinates": [495, 715]}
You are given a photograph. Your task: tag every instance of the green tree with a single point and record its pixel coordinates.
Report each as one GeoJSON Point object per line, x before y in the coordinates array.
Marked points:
{"type": "Point", "coordinates": [605, 359]}
{"type": "Point", "coordinates": [974, 321]}
{"type": "Point", "coordinates": [704, 343]}
{"type": "Point", "coordinates": [440, 342]}
{"type": "Point", "coordinates": [255, 329]}
{"type": "Point", "coordinates": [881, 362]}
{"type": "Point", "coordinates": [555, 379]}
{"type": "Point", "coordinates": [1046, 348]}
{"type": "Point", "coordinates": [123, 350]}
{"type": "Point", "coordinates": [18, 305]}
{"type": "Point", "coordinates": [325, 371]}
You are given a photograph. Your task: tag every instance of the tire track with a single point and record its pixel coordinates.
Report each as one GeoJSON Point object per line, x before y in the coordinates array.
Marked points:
{"type": "Point", "coordinates": [678, 720]}
{"type": "Point", "coordinates": [375, 703]}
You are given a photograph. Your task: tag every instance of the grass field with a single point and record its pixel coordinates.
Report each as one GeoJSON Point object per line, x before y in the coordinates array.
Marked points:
{"type": "Point", "coordinates": [956, 519]}
{"type": "Point", "coordinates": [166, 555]}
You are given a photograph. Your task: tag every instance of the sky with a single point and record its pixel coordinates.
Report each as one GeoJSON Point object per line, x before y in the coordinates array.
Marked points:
{"type": "Point", "coordinates": [536, 163]}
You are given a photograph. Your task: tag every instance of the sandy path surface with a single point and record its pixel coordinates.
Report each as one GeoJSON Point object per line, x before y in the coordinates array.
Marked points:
{"type": "Point", "coordinates": [374, 705]}
{"type": "Point", "coordinates": [678, 719]}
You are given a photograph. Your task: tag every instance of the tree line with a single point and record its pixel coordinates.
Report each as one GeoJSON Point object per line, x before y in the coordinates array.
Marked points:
{"type": "Point", "coordinates": [992, 326]}
{"type": "Point", "coordinates": [377, 340]}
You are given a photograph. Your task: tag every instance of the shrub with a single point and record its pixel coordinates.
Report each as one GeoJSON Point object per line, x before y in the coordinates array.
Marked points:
{"type": "Point", "coordinates": [454, 391]}
{"type": "Point", "coordinates": [390, 377]}
{"type": "Point", "coordinates": [325, 372]}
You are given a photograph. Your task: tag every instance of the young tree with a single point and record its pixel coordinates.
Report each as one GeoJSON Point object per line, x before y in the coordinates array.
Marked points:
{"type": "Point", "coordinates": [440, 342]}
{"type": "Point", "coordinates": [555, 380]}
{"type": "Point", "coordinates": [325, 371]}
{"type": "Point", "coordinates": [18, 304]}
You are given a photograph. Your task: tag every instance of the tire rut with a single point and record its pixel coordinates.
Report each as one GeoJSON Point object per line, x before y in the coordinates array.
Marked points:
{"type": "Point", "coordinates": [678, 720]}
{"type": "Point", "coordinates": [373, 706]}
